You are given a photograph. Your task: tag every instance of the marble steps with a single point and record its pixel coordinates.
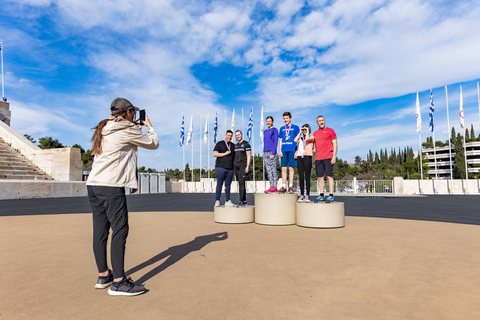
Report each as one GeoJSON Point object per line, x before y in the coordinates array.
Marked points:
{"type": "Point", "coordinates": [14, 166]}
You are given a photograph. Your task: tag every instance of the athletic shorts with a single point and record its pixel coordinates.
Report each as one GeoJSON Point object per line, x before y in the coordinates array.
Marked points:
{"type": "Point", "coordinates": [288, 159]}
{"type": "Point", "coordinates": [323, 167]}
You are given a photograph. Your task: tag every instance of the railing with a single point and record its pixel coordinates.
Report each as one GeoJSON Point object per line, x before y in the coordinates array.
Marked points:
{"type": "Point", "coordinates": [374, 186]}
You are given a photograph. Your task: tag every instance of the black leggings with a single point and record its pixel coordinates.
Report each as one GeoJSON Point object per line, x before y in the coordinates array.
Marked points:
{"type": "Point", "coordinates": [304, 165]}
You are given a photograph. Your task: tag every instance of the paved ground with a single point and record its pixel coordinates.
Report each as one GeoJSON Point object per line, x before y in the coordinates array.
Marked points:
{"type": "Point", "coordinates": [444, 208]}
{"type": "Point", "coordinates": [374, 268]}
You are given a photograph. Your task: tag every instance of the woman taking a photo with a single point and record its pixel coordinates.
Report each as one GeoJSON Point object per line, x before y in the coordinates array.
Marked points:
{"type": "Point", "coordinates": [115, 144]}
{"type": "Point", "coordinates": [304, 161]}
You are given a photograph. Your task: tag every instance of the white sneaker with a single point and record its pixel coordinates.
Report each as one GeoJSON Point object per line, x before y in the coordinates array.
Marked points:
{"type": "Point", "coordinates": [229, 204]}
{"type": "Point", "coordinates": [300, 199]}
{"type": "Point", "coordinates": [306, 199]}
{"type": "Point", "coordinates": [217, 203]}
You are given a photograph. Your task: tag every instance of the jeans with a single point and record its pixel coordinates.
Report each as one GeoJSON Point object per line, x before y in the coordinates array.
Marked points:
{"type": "Point", "coordinates": [223, 175]}
{"type": "Point", "coordinates": [109, 209]}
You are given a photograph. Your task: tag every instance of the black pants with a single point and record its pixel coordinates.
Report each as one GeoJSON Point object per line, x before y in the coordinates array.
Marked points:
{"type": "Point", "coordinates": [109, 209]}
{"type": "Point", "coordinates": [304, 165]}
{"type": "Point", "coordinates": [241, 177]}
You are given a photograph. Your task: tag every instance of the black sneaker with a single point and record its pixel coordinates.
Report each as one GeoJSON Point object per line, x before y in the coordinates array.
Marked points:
{"type": "Point", "coordinates": [126, 287]}
{"type": "Point", "coordinates": [240, 204]}
{"type": "Point", "coordinates": [104, 282]}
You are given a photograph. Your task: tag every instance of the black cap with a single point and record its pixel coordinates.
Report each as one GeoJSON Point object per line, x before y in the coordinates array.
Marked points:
{"type": "Point", "coordinates": [120, 105]}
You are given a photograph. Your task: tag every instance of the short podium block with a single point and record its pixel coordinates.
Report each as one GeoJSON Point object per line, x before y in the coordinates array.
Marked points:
{"type": "Point", "coordinates": [224, 214]}
{"type": "Point", "coordinates": [321, 215]}
{"type": "Point", "coordinates": [275, 209]}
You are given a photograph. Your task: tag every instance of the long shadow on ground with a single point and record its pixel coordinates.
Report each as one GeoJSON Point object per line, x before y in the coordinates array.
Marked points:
{"type": "Point", "coordinates": [443, 208]}
{"type": "Point", "coordinates": [175, 254]}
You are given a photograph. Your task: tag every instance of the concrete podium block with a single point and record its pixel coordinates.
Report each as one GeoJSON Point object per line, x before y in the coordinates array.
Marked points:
{"type": "Point", "coordinates": [224, 214]}
{"type": "Point", "coordinates": [275, 209]}
{"type": "Point", "coordinates": [321, 215]}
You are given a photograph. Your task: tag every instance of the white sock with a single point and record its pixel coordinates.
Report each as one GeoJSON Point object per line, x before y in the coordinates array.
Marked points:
{"type": "Point", "coordinates": [291, 185]}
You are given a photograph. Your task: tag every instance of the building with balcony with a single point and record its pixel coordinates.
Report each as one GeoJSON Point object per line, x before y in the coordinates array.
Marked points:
{"type": "Point", "coordinates": [443, 159]}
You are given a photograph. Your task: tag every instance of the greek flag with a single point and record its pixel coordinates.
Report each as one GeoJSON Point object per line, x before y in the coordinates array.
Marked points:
{"type": "Point", "coordinates": [250, 125]}
{"type": "Point", "coordinates": [233, 122]}
{"type": "Point", "coordinates": [432, 109]}
{"type": "Point", "coordinates": [215, 129]}
{"type": "Point", "coordinates": [1, 43]}
{"type": "Point", "coordinates": [182, 132]}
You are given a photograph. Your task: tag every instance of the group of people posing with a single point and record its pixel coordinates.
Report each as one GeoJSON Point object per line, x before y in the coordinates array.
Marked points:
{"type": "Point", "coordinates": [296, 146]}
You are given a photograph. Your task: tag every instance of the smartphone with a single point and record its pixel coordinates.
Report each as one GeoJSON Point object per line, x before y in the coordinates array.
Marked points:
{"type": "Point", "coordinates": [142, 116]}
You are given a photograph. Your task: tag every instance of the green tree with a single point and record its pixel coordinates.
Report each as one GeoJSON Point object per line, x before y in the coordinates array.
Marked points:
{"type": "Point", "coordinates": [459, 160]}
{"type": "Point", "coordinates": [472, 134]}
{"type": "Point", "coordinates": [30, 138]}
{"type": "Point", "coordinates": [358, 160]}
{"type": "Point", "coordinates": [49, 143]}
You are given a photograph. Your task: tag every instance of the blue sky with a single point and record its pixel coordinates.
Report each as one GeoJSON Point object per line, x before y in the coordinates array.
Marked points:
{"type": "Point", "coordinates": [358, 63]}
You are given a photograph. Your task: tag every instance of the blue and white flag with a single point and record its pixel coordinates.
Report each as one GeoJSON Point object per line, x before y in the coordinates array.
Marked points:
{"type": "Point", "coordinates": [233, 122]}
{"type": "Point", "coordinates": [215, 129]}
{"type": "Point", "coordinates": [250, 125]}
{"type": "Point", "coordinates": [1, 43]}
{"type": "Point", "coordinates": [182, 132]}
{"type": "Point", "coordinates": [432, 109]}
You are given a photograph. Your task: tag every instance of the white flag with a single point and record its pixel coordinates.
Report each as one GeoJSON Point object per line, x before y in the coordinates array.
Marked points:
{"type": "Point", "coordinates": [462, 119]}
{"type": "Point", "coordinates": [190, 131]}
{"type": "Point", "coordinates": [233, 121]}
{"type": "Point", "coordinates": [418, 115]}
{"type": "Point", "coordinates": [205, 134]}
{"type": "Point", "coordinates": [261, 125]}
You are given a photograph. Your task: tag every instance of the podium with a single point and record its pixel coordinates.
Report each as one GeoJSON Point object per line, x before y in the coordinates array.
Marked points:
{"type": "Point", "coordinates": [275, 209]}
{"type": "Point", "coordinates": [321, 215]}
{"type": "Point", "coordinates": [224, 214]}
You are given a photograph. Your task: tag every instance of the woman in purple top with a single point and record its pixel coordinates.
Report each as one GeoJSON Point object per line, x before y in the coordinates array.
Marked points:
{"type": "Point", "coordinates": [270, 141]}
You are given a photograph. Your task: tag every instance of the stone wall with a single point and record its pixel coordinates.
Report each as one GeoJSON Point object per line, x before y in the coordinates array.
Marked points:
{"type": "Point", "coordinates": [63, 164]}
{"type": "Point", "coordinates": [28, 189]}
{"type": "Point", "coordinates": [5, 110]}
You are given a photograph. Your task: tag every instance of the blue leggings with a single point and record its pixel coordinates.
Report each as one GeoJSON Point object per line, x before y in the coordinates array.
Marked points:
{"type": "Point", "coordinates": [223, 175]}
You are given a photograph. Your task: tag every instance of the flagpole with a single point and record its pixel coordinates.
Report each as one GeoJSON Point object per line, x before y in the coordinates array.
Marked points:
{"type": "Point", "coordinates": [200, 128]}
{"type": "Point", "coordinates": [478, 99]}
{"type": "Point", "coordinates": [208, 153]}
{"type": "Point", "coordinates": [462, 124]}
{"type": "Point", "coordinates": [225, 121]}
{"type": "Point", "coordinates": [418, 115]}
{"type": "Point", "coordinates": [253, 158]}
{"type": "Point", "coordinates": [449, 140]}
{"type": "Point", "coordinates": [243, 124]}
{"type": "Point", "coordinates": [193, 184]}
{"type": "Point", "coordinates": [1, 52]}
{"type": "Point", "coordinates": [184, 182]}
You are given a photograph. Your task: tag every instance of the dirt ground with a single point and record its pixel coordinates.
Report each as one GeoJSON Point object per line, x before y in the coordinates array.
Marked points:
{"type": "Point", "coordinates": [374, 268]}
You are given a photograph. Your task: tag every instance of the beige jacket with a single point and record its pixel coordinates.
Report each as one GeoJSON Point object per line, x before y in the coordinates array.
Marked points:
{"type": "Point", "coordinates": [116, 166]}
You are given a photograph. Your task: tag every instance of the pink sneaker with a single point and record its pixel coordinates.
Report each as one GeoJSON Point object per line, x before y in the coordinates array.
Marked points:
{"type": "Point", "coordinates": [272, 190]}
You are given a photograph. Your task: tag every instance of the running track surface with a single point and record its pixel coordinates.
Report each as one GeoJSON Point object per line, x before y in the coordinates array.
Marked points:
{"type": "Point", "coordinates": [442, 208]}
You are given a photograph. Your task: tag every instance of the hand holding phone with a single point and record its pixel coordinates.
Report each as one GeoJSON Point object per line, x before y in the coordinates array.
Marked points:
{"type": "Point", "coordinates": [142, 116]}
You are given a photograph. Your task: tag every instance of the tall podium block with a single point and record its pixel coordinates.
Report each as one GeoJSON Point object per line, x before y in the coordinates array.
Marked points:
{"type": "Point", "coordinates": [321, 215]}
{"type": "Point", "coordinates": [275, 209]}
{"type": "Point", "coordinates": [224, 214]}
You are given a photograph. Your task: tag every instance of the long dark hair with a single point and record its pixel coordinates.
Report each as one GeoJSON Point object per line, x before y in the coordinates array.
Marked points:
{"type": "Point", "coordinates": [97, 135]}
{"type": "Point", "coordinates": [306, 125]}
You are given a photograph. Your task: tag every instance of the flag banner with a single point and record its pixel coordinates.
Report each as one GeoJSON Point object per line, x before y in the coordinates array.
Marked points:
{"type": "Point", "coordinates": [462, 119]}
{"type": "Point", "coordinates": [261, 124]}
{"type": "Point", "coordinates": [250, 125]}
{"type": "Point", "coordinates": [1, 43]}
{"type": "Point", "coordinates": [432, 110]}
{"type": "Point", "coordinates": [205, 133]}
{"type": "Point", "coordinates": [418, 115]}
{"type": "Point", "coordinates": [190, 131]}
{"type": "Point", "coordinates": [215, 129]}
{"type": "Point", "coordinates": [233, 121]}
{"type": "Point", "coordinates": [182, 132]}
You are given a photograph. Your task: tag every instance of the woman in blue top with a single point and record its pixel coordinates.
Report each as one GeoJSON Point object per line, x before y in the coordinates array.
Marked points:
{"type": "Point", "coordinates": [270, 141]}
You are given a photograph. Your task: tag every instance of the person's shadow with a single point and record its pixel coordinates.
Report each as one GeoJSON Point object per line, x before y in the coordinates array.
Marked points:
{"type": "Point", "coordinates": [175, 254]}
